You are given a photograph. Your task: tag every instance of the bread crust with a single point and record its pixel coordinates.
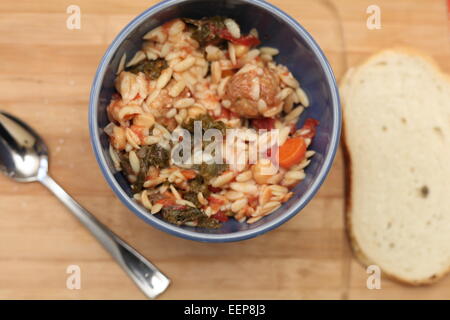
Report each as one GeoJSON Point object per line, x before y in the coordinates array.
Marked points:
{"type": "Point", "coordinates": [344, 85]}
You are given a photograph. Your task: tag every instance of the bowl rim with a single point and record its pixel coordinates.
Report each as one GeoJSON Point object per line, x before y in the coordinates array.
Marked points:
{"type": "Point", "coordinates": [176, 230]}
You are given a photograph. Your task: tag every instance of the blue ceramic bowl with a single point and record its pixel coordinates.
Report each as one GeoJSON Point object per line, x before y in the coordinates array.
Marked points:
{"type": "Point", "coordinates": [298, 51]}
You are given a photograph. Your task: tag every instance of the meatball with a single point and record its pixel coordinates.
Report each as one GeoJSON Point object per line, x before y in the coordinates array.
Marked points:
{"type": "Point", "coordinates": [244, 90]}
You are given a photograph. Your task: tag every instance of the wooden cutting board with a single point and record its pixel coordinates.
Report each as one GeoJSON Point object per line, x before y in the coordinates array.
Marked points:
{"type": "Point", "coordinates": [46, 73]}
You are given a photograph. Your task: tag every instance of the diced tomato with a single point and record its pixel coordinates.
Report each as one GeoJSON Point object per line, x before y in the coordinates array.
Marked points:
{"type": "Point", "coordinates": [253, 202]}
{"type": "Point", "coordinates": [227, 73]}
{"type": "Point", "coordinates": [226, 114]}
{"type": "Point", "coordinates": [215, 200]}
{"type": "Point", "coordinates": [269, 153]}
{"type": "Point", "coordinates": [263, 123]}
{"type": "Point", "coordinates": [248, 40]}
{"type": "Point", "coordinates": [225, 34]}
{"type": "Point", "coordinates": [214, 189]}
{"type": "Point", "coordinates": [130, 116]}
{"type": "Point", "coordinates": [166, 202]}
{"type": "Point", "coordinates": [310, 124]}
{"type": "Point", "coordinates": [189, 174]}
{"type": "Point", "coordinates": [221, 216]}
{"type": "Point", "coordinates": [215, 203]}
{"type": "Point", "coordinates": [168, 194]}
{"type": "Point", "coordinates": [233, 115]}
{"type": "Point", "coordinates": [293, 129]}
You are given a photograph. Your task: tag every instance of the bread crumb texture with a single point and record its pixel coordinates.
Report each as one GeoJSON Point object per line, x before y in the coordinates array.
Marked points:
{"type": "Point", "coordinates": [397, 135]}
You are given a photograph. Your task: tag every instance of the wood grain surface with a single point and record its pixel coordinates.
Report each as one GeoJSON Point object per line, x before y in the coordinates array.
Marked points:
{"type": "Point", "coordinates": [45, 75]}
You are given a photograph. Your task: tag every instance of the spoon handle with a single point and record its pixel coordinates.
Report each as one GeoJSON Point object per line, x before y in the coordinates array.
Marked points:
{"type": "Point", "coordinates": [146, 276]}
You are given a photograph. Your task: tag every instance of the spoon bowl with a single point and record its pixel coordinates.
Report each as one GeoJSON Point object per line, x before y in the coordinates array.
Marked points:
{"type": "Point", "coordinates": [23, 154]}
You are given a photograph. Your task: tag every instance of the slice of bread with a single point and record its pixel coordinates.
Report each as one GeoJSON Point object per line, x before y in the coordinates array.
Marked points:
{"type": "Point", "coordinates": [396, 111]}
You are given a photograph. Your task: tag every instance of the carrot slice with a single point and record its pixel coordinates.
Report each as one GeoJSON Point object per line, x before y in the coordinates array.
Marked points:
{"type": "Point", "coordinates": [292, 152]}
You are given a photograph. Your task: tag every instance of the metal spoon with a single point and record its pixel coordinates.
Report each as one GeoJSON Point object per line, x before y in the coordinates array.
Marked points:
{"type": "Point", "coordinates": [24, 158]}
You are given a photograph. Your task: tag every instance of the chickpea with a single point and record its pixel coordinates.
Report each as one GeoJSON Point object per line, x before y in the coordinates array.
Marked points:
{"type": "Point", "coordinates": [263, 170]}
{"type": "Point", "coordinates": [241, 50]}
